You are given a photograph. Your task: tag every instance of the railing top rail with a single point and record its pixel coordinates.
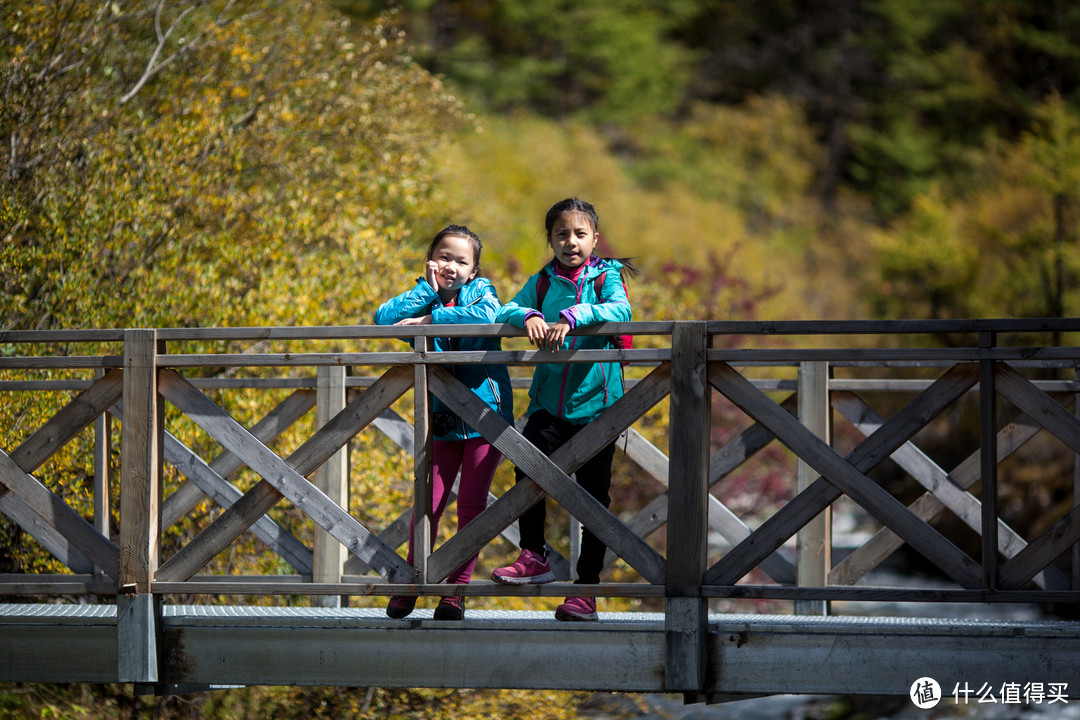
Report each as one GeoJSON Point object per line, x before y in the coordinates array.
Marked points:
{"type": "Point", "coordinates": [893, 327]}
{"type": "Point", "coordinates": [1067, 357]}
{"type": "Point", "coordinates": [715, 327]}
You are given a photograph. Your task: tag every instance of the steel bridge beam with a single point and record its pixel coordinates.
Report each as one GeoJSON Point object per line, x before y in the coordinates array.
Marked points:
{"type": "Point", "coordinates": [217, 646]}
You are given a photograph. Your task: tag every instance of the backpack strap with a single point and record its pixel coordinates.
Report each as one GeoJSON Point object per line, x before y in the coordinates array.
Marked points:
{"type": "Point", "coordinates": [542, 285]}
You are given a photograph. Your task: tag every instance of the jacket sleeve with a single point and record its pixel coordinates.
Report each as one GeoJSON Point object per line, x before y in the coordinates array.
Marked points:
{"type": "Point", "coordinates": [611, 306]}
{"type": "Point", "coordinates": [515, 311]}
{"type": "Point", "coordinates": [476, 311]}
{"type": "Point", "coordinates": [410, 304]}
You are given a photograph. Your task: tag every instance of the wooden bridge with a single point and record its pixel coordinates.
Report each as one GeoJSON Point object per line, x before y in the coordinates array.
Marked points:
{"type": "Point", "coordinates": [123, 611]}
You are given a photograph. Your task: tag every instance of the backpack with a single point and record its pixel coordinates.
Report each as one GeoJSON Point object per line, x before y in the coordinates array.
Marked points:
{"type": "Point", "coordinates": [619, 342]}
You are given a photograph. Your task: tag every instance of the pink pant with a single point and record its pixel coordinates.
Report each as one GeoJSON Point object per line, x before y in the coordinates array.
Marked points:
{"type": "Point", "coordinates": [477, 460]}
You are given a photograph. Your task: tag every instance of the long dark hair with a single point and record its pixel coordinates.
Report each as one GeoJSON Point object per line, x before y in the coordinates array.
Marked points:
{"type": "Point", "coordinates": [572, 205]}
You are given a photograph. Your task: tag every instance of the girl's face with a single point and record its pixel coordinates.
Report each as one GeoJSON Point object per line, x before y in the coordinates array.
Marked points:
{"type": "Point", "coordinates": [455, 263]}
{"type": "Point", "coordinates": [573, 238]}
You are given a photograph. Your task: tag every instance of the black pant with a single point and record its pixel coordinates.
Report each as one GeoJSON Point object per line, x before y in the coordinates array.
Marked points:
{"type": "Point", "coordinates": [548, 433]}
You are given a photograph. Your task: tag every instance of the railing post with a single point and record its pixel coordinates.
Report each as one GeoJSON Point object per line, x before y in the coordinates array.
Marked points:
{"type": "Point", "coordinates": [1076, 485]}
{"type": "Point", "coordinates": [988, 462]}
{"type": "Point", "coordinates": [813, 544]}
{"type": "Point", "coordinates": [686, 620]}
{"type": "Point", "coordinates": [421, 539]}
{"type": "Point", "coordinates": [102, 448]}
{"type": "Point", "coordinates": [140, 506]}
{"type": "Point", "coordinates": [332, 479]}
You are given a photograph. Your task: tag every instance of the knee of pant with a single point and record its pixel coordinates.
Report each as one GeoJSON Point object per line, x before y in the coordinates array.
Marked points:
{"type": "Point", "coordinates": [468, 511]}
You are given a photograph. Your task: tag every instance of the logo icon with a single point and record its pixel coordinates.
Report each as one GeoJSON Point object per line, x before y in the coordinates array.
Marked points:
{"type": "Point", "coordinates": [925, 693]}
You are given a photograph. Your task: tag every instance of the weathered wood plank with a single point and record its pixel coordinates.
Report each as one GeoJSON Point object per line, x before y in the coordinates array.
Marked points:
{"type": "Point", "coordinates": [720, 327]}
{"type": "Point", "coordinates": [103, 471]}
{"type": "Point", "coordinates": [456, 357]}
{"type": "Point", "coordinates": [279, 473]}
{"type": "Point", "coordinates": [545, 473]}
{"type": "Point", "coordinates": [988, 462]}
{"type": "Point", "coordinates": [331, 478]}
{"type": "Point", "coordinates": [474, 536]}
{"type": "Point", "coordinates": [69, 421]}
{"type": "Point", "coordinates": [1050, 414]}
{"type": "Point", "coordinates": [689, 460]}
{"type": "Point", "coordinates": [225, 494]}
{"type": "Point", "coordinates": [66, 362]}
{"type": "Point", "coordinates": [211, 484]}
{"type": "Point", "coordinates": [645, 455]}
{"type": "Point", "coordinates": [774, 531]}
{"type": "Point", "coordinates": [686, 611]}
{"type": "Point", "coordinates": [395, 427]}
{"type": "Point", "coordinates": [56, 513]}
{"type": "Point", "coordinates": [260, 498]}
{"type": "Point", "coordinates": [422, 470]}
{"type": "Point", "coordinates": [269, 428]}
{"type": "Point", "coordinates": [13, 584]}
{"type": "Point", "coordinates": [1041, 551]}
{"type": "Point", "coordinates": [136, 639]}
{"type": "Point", "coordinates": [42, 530]}
{"type": "Point", "coordinates": [813, 543]}
{"type": "Point", "coordinates": [884, 542]}
{"type": "Point", "coordinates": [950, 492]}
{"type": "Point", "coordinates": [396, 533]}
{"type": "Point", "coordinates": [140, 481]}
{"type": "Point", "coordinates": [1074, 565]}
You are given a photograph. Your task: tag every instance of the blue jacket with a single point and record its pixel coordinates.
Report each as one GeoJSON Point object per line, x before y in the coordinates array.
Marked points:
{"type": "Point", "coordinates": [576, 392]}
{"type": "Point", "coordinates": [476, 303]}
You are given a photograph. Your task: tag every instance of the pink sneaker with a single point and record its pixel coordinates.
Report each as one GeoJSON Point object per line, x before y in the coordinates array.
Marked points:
{"type": "Point", "coordinates": [529, 569]}
{"type": "Point", "coordinates": [450, 608]}
{"type": "Point", "coordinates": [577, 609]}
{"type": "Point", "coordinates": [400, 606]}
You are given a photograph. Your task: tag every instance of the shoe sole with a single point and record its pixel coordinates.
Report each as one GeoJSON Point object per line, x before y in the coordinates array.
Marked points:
{"type": "Point", "coordinates": [573, 617]}
{"type": "Point", "coordinates": [397, 613]}
{"type": "Point", "coordinates": [441, 614]}
{"type": "Point", "coordinates": [531, 580]}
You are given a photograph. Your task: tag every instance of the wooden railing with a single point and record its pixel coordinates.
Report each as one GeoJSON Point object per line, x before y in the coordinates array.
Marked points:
{"type": "Point", "coordinates": [785, 391]}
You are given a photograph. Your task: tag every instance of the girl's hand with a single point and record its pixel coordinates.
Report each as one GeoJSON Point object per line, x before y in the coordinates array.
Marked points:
{"type": "Point", "coordinates": [556, 334]}
{"type": "Point", "coordinates": [430, 273]}
{"type": "Point", "coordinates": [423, 320]}
{"type": "Point", "coordinates": [536, 328]}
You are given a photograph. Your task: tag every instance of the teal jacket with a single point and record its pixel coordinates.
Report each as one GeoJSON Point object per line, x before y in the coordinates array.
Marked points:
{"type": "Point", "coordinates": [576, 392]}
{"type": "Point", "coordinates": [476, 303]}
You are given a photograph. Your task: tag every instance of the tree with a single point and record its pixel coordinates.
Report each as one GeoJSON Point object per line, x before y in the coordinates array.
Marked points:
{"type": "Point", "coordinates": [601, 60]}
{"type": "Point", "coordinates": [198, 164]}
{"type": "Point", "coordinates": [1007, 249]}
{"type": "Point", "coordinates": [208, 163]}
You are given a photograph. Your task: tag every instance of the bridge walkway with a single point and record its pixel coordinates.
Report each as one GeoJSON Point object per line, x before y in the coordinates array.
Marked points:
{"type": "Point", "coordinates": [212, 646]}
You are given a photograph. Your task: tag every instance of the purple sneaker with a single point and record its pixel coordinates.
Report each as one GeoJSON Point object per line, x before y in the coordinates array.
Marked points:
{"type": "Point", "coordinates": [577, 609]}
{"type": "Point", "coordinates": [529, 569]}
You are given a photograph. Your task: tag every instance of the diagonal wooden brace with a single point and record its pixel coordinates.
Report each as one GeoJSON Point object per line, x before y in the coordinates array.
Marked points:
{"type": "Point", "coordinates": [52, 509]}
{"type": "Point", "coordinates": [845, 475]}
{"type": "Point", "coordinates": [550, 475]}
{"type": "Point", "coordinates": [286, 477]}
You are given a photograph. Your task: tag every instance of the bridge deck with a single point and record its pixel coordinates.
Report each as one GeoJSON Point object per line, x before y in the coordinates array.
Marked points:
{"type": "Point", "coordinates": [214, 646]}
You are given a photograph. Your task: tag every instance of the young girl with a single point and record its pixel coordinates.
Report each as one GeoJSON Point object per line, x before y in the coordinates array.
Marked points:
{"type": "Point", "coordinates": [451, 292]}
{"type": "Point", "coordinates": [575, 289]}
